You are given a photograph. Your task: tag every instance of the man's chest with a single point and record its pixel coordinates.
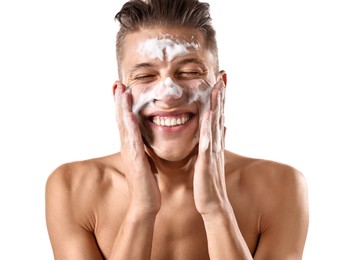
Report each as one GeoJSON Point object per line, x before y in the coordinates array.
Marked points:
{"type": "Point", "coordinates": [179, 231]}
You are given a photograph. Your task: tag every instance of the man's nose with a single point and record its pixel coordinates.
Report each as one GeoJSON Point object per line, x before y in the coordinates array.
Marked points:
{"type": "Point", "coordinates": [168, 91]}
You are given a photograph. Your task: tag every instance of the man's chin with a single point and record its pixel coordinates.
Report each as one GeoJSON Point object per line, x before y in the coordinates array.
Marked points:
{"type": "Point", "coordinates": [172, 154]}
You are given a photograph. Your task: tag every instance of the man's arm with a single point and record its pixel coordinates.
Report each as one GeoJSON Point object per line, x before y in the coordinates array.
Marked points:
{"type": "Point", "coordinates": [70, 200]}
{"type": "Point", "coordinates": [135, 237]}
{"type": "Point", "coordinates": [224, 238]}
{"type": "Point", "coordinates": [285, 223]}
{"type": "Point", "coordinates": [285, 219]}
{"type": "Point", "coordinates": [70, 238]}
{"type": "Point", "coordinates": [134, 240]}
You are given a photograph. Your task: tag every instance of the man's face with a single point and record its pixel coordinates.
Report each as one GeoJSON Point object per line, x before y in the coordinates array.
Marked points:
{"type": "Point", "coordinates": [170, 74]}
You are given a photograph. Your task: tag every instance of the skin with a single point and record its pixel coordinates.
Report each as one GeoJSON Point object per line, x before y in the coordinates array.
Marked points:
{"type": "Point", "coordinates": [182, 196]}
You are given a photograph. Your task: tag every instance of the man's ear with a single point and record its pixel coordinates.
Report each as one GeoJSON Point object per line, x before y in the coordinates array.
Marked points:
{"type": "Point", "coordinates": [222, 75]}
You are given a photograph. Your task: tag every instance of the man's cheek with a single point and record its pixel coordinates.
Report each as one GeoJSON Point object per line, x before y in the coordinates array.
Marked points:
{"type": "Point", "coordinates": [141, 98]}
{"type": "Point", "coordinates": [200, 92]}
{"type": "Point", "coordinates": [192, 91]}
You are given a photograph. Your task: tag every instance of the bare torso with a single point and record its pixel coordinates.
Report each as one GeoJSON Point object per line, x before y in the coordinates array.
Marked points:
{"type": "Point", "coordinates": [100, 198]}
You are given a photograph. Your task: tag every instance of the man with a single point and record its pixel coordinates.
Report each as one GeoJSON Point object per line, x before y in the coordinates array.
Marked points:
{"type": "Point", "coordinates": [173, 192]}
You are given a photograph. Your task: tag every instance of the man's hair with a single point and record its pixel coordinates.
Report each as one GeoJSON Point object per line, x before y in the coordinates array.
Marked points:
{"type": "Point", "coordinates": [143, 14]}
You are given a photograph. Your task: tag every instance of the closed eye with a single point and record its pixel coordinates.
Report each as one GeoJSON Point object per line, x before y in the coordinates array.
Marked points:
{"type": "Point", "coordinates": [189, 74]}
{"type": "Point", "coordinates": [144, 77]}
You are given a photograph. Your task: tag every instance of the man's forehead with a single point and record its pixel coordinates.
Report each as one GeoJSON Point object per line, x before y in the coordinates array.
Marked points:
{"type": "Point", "coordinates": [163, 43]}
{"type": "Point", "coordinates": [164, 35]}
{"type": "Point", "coordinates": [174, 33]}
{"type": "Point", "coordinates": [177, 37]}
{"type": "Point", "coordinates": [166, 47]}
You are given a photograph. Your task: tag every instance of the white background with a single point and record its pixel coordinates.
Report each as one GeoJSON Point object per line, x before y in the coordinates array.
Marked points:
{"type": "Point", "coordinates": [288, 71]}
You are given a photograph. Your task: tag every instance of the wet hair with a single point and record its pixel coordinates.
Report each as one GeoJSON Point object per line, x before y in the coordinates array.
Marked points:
{"type": "Point", "coordinates": [144, 14]}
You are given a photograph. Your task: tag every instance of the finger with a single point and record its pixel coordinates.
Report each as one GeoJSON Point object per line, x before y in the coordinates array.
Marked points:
{"type": "Point", "coordinates": [118, 89]}
{"type": "Point", "coordinates": [129, 119]}
{"type": "Point", "coordinates": [217, 116]}
{"type": "Point", "coordinates": [215, 105]}
{"type": "Point", "coordinates": [123, 103]}
{"type": "Point", "coordinates": [216, 126]}
{"type": "Point", "coordinates": [223, 99]}
{"type": "Point", "coordinates": [205, 134]}
{"type": "Point", "coordinates": [215, 92]}
{"type": "Point", "coordinates": [131, 138]}
{"type": "Point", "coordinates": [126, 121]}
{"type": "Point", "coordinates": [222, 119]}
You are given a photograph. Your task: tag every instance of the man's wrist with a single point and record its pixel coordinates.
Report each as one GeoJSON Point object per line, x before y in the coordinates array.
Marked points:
{"type": "Point", "coordinates": [221, 214]}
{"type": "Point", "coordinates": [135, 215]}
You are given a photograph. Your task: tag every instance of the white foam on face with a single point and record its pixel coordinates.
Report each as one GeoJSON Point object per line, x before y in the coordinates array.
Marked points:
{"type": "Point", "coordinates": [145, 98]}
{"type": "Point", "coordinates": [166, 48]}
{"type": "Point", "coordinates": [157, 48]}
{"type": "Point", "coordinates": [162, 90]}
{"type": "Point", "coordinates": [198, 92]}
{"type": "Point", "coordinates": [169, 89]}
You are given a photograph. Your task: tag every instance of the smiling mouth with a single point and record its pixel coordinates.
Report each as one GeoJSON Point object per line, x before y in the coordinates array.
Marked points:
{"type": "Point", "coordinates": [171, 121]}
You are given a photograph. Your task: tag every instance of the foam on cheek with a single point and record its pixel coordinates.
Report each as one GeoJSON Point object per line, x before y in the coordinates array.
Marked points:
{"type": "Point", "coordinates": [200, 93]}
{"type": "Point", "coordinates": [145, 98]}
{"type": "Point", "coordinates": [158, 48]}
{"type": "Point", "coordinates": [168, 89]}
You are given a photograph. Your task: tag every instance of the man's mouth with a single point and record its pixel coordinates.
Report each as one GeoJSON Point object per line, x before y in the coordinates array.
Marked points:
{"type": "Point", "coordinates": [171, 121]}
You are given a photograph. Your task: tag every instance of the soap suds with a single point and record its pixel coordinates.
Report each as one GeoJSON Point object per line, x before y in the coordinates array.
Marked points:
{"type": "Point", "coordinates": [159, 48]}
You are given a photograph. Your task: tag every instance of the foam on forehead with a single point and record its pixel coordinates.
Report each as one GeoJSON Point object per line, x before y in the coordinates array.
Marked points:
{"type": "Point", "coordinates": [156, 48]}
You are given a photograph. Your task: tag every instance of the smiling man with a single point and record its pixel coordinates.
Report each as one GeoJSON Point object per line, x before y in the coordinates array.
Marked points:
{"type": "Point", "coordinates": [173, 191]}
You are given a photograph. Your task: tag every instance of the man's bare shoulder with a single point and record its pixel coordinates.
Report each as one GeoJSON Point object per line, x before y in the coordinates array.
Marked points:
{"type": "Point", "coordinates": [270, 199]}
{"type": "Point", "coordinates": [263, 177]}
{"type": "Point", "coordinates": [86, 177]}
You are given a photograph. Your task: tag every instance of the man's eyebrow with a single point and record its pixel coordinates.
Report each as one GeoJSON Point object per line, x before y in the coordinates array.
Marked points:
{"type": "Point", "coordinates": [141, 66]}
{"type": "Point", "coordinates": [181, 62]}
{"type": "Point", "coordinates": [191, 60]}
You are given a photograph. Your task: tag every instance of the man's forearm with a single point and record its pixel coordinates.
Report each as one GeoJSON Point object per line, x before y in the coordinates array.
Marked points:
{"type": "Point", "coordinates": [135, 238]}
{"type": "Point", "coordinates": [225, 240]}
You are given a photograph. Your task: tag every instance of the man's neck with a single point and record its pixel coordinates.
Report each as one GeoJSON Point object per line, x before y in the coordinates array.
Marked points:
{"type": "Point", "coordinates": [173, 175]}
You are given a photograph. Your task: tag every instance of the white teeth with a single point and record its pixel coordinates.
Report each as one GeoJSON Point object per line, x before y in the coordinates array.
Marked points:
{"type": "Point", "coordinates": [170, 121]}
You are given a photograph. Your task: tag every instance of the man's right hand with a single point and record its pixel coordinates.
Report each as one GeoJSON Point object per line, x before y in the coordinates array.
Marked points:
{"type": "Point", "coordinates": [144, 191]}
